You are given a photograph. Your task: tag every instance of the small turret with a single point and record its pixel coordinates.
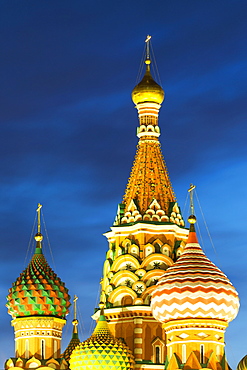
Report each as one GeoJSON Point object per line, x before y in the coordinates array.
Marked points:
{"type": "Point", "coordinates": [38, 302]}
{"type": "Point", "coordinates": [75, 338]}
{"type": "Point", "coordinates": [38, 290]}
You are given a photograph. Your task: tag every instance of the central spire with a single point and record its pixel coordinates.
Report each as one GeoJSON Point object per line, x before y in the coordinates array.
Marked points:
{"type": "Point", "coordinates": [149, 195]}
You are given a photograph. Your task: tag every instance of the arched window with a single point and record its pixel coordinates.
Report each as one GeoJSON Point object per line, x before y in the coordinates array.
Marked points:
{"type": "Point", "coordinates": [127, 301]}
{"type": "Point", "coordinates": [202, 353]}
{"type": "Point", "coordinates": [27, 348]}
{"type": "Point", "coordinates": [42, 349]}
{"type": "Point", "coordinates": [184, 356]}
{"type": "Point", "coordinates": [157, 248]}
{"type": "Point", "coordinates": [157, 355]}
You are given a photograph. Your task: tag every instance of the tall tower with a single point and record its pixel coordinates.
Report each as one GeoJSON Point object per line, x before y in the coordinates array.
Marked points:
{"type": "Point", "coordinates": [147, 236]}
{"type": "Point", "coordinates": [38, 303]}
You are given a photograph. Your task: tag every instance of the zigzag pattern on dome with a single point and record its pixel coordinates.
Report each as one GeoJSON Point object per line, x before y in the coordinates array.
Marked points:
{"type": "Point", "coordinates": [38, 291]}
{"type": "Point", "coordinates": [194, 287]}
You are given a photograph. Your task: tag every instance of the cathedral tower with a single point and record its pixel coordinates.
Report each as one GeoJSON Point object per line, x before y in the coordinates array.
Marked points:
{"type": "Point", "coordinates": [38, 302]}
{"type": "Point", "coordinates": [148, 235]}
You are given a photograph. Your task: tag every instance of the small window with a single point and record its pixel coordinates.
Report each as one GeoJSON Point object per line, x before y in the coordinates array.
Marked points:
{"type": "Point", "coordinates": [202, 353]}
{"type": "Point", "coordinates": [55, 349]}
{"type": "Point", "coordinates": [27, 348]}
{"type": "Point", "coordinates": [184, 357]}
{"type": "Point", "coordinates": [157, 355]}
{"type": "Point", "coordinates": [42, 349]}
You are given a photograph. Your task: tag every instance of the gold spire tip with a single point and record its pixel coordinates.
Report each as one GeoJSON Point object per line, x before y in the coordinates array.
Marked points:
{"type": "Point", "coordinates": [148, 38]}
{"type": "Point", "coordinates": [192, 217]}
{"type": "Point", "coordinates": [75, 322]}
{"type": "Point", "coordinates": [39, 207]}
{"type": "Point", "coordinates": [38, 237]}
{"type": "Point", "coordinates": [191, 188]}
{"type": "Point", "coordinates": [147, 41]}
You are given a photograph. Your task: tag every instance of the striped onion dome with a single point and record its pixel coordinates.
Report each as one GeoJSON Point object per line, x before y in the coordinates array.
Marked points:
{"type": "Point", "coordinates": [102, 351]}
{"type": "Point", "coordinates": [38, 290]}
{"type": "Point", "coordinates": [242, 364]}
{"type": "Point", "coordinates": [194, 288]}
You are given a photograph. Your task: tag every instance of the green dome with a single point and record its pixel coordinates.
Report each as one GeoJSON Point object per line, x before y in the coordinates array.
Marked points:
{"type": "Point", "coordinates": [38, 291]}
{"type": "Point", "coordinates": [102, 351]}
{"type": "Point", "coordinates": [242, 364]}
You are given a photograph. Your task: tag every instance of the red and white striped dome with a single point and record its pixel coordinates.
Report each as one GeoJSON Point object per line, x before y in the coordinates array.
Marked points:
{"type": "Point", "coordinates": [194, 288]}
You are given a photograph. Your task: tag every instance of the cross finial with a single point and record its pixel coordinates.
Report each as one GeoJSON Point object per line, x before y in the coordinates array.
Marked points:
{"type": "Point", "coordinates": [38, 211]}
{"type": "Point", "coordinates": [74, 300]}
{"type": "Point", "coordinates": [147, 41]}
{"type": "Point", "coordinates": [38, 237]}
{"type": "Point", "coordinates": [75, 321]}
{"type": "Point", "coordinates": [191, 191]}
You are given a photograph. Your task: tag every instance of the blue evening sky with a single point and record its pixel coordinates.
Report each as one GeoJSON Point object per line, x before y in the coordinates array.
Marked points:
{"type": "Point", "coordinates": [68, 132]}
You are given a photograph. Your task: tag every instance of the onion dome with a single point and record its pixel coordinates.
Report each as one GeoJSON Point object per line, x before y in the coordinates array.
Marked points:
{"type": "Point", "coordinates": [148, 90]}
{"type": "Point", "coordinates": [242, 364]}
{"type": "Point", "coordinates": [38, 290]}
{"type": "Point", "coordinates": [194, 288]}
{"type": "Point", "coordinates": [102, 351]}
{"type": "Point", "coordinates": [75, 338]}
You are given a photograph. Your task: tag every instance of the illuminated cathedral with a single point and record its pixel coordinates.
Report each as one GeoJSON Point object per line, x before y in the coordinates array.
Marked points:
{"type": "Point", "coordinates": [163, 304]}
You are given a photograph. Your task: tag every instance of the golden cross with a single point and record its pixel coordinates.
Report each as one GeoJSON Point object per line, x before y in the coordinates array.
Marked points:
{"type": "Point", "coordinates": [191, 191]}
{"type": "Point", "coordinates": [38, 211]}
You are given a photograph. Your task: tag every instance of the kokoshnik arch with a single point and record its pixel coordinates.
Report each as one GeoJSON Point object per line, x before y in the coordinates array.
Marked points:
{"type": "Point", "coordinates": [164, 304]}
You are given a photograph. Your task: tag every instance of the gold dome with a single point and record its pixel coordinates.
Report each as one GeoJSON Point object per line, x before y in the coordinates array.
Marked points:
{"type": "Point", "coordinates": [148, 90]}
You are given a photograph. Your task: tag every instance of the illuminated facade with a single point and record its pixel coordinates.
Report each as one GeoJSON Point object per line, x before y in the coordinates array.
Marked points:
{"type": "Point", "coordinates": [164, 304]}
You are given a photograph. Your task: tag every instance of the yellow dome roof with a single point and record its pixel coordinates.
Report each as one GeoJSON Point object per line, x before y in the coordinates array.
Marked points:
{"type": "Point", "coordinates": [102, 351]}
{"type": "Point", "coordinates": [148, 90]}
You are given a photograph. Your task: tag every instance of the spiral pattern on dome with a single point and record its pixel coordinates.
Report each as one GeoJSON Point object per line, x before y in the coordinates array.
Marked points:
{"type": "Point", "coordinates": [102, 351]}
{"type": "Point", "coordinates": [194, 288]}
{"type": "Point", "coordinates": [38, 291]}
